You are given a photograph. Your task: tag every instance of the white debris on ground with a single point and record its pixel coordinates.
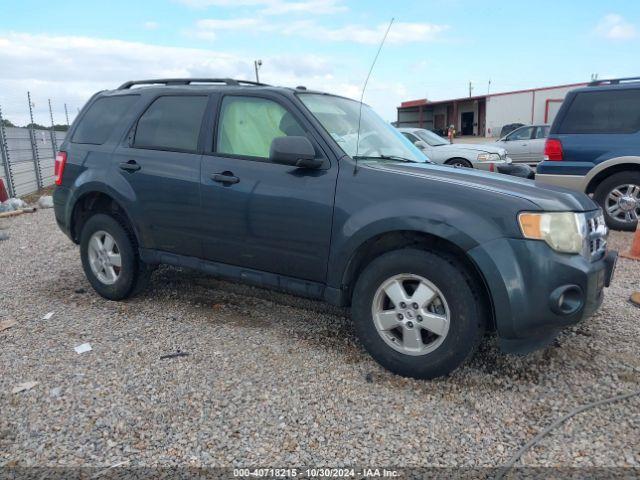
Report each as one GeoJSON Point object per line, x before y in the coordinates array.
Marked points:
{"type": "Point", "coordinates": [12, 204]}
{"type": "Point", "coordinates": [46, 201]}
{"type": "Point", "coordinates": [275, 380]}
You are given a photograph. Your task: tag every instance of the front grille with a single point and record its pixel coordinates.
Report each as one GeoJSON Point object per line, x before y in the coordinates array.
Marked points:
{"type": "Point", "coordinates": [597, 233]}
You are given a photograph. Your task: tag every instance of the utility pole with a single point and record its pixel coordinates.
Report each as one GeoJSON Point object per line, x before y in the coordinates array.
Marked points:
{"type": "Point", "coordinates": [256, 65]}
{"type": "Point", "coordinates": [66, 114]}
{"type": "Point", "coordinates": [489, 87]}
{"type": "Point", "coordinates": [470, 88]}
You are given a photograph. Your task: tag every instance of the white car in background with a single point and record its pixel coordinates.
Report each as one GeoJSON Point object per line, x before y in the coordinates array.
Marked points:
{"type": "Point", "coordinates": [525, 144]}
{"type": "Point", "coordinates": [439, 150]}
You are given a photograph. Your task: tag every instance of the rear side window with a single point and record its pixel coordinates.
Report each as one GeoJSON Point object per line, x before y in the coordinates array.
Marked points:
{"type": "Point", "coordinates": [613, 111]}
{"type": "Point", "coordinates": [171, 123]}
{"type": "Point", "coordinates": [103, 114]}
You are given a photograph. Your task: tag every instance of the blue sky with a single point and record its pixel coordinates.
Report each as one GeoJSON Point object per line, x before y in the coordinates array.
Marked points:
{"type": "Point", "coordinates": [66, 50]}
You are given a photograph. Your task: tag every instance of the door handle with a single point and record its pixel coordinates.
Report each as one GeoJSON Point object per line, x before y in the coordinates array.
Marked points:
{"type": "Point", "coordinates": [225, 177]}
{"type": "Point", "coordinates": [130, 166]}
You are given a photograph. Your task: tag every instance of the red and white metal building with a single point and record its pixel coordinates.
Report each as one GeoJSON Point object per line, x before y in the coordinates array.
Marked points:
{"type": "Point", "coordinates": [485, 115]}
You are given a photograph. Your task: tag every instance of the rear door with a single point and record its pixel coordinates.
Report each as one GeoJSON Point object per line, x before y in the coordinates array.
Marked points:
{"type": "Point", "coordinates": [160, 160]}
{"type": "Point", "coordinates": [261, 215]}
{"type": "Point", "coordinates": [536, 144]}
{"type": "Point", "coordinates": [517, 144]}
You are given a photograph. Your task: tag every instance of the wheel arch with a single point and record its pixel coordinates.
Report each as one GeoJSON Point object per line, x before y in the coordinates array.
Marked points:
{"type": "Point", "coordinates": [95, 201]}
{"type": "Point", "coordinates": [449, 161]}
{"type": "Point", "coordinates": [395, 240]}
{"type": "Point", "coordinates": [611, 167]}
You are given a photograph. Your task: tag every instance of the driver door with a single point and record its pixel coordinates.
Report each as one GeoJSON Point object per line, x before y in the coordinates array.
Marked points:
{"type": "Point", "coordinates": [261, 215]}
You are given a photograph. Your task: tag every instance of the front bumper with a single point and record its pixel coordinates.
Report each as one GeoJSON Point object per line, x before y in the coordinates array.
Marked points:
{"type": "Point", "coordinates": [527, 280]}
{"type": "Point", "coordinates": [491, 166]}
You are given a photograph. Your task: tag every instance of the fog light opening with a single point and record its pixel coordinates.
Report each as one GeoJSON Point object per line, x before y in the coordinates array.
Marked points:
{"type": "Point", "coordinates": [566, 300]}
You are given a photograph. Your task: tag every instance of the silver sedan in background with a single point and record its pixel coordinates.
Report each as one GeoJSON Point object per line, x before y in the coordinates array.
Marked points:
{"type": "Point", "coordinates": [439, 150]}
{"type": "Point", "coordinates": [525, 144]}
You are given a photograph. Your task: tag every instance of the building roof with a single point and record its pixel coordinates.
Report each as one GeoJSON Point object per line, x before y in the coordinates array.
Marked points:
{"type": "Point", "coordinates": [424, 101]}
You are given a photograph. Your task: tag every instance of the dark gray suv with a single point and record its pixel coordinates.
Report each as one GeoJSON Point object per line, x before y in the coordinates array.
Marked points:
{"type": "Point", "coordinates": [315, 195]}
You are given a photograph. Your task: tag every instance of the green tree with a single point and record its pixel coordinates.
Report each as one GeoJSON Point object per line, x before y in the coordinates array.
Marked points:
{"type": "Point", "coordinates": [7, 123]}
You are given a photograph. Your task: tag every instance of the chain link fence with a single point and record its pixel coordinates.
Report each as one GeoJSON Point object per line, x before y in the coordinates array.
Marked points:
{"type": "Point", "coordinates": [27, 155]}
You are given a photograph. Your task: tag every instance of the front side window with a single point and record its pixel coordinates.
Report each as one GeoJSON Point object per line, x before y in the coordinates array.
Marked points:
{"type": "Point", "coordinates": [248, 125]}
{"type": "Point", "coordinates": [359, 131]}
{"type": "Point", "coordinates": [171, 123]}
{"type": "Point", "coordinates": [521, 134]}
{"type": "Point", "coordinates": [613, 111]}
{"type": "Point", "coordinates": [103, 115]}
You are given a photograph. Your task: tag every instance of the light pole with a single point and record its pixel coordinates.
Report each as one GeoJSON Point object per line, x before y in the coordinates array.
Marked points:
{"type": "Point", "coordinates": [256, 65]}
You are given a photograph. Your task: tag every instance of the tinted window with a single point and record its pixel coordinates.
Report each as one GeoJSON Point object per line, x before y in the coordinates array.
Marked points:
{"type": "Point", "coordinates": [103, 114]}
{"type": "Point", "coordinates": [522, 134]}
{"type": "Point", "coordinates": [542, 132]}
{"type": "Point", "coordinates": [249, 124]}
{"type": "Point", "coordinates": [613, 111]}
{"type": "Point", "coordinates": [171, 123]}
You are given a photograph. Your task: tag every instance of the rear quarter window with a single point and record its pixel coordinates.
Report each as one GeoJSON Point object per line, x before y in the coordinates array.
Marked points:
{"type": "Point", "coordinates": [97, 124]}
{"type": "Point", "coordinates": [613, 111]}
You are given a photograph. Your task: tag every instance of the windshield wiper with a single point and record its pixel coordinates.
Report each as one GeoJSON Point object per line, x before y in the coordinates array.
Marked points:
{"type": "Point", "coordinates": [384, 157]}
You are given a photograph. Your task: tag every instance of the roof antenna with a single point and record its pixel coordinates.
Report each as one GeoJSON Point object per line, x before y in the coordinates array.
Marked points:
{"type": "Point", "coordinates": [364, 87]}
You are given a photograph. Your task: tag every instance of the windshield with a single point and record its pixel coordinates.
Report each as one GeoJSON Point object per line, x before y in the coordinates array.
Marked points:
{"type": "Point", "coordinates": [378, 139]}
{"type": "Point", "coordinates": [431, 138]}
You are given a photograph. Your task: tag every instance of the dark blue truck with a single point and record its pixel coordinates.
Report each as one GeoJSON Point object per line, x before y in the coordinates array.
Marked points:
{"type": "Point", "coordinates": [594, 147]}
{"type": "Point", "coordinates": [315, 195]}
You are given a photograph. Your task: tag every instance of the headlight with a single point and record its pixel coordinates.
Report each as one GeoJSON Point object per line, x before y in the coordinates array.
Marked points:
{"type": "Point", "coordinates": [565, 232]}
{"type": "Point", "coordinates": [488, 157]}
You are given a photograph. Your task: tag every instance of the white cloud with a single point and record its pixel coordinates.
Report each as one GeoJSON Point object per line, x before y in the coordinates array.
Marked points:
{"type": "Point", "coordinates": [207, 28]}
{"type": "Point", "coordinates": [401, 32]}
{"type": "Point", "coordinates": [615, 27]}
{"type": "Point", "coordinates": [275, 7]}
{"type": "Point", "coordinates": [69, 69]}
{"type": "Point", "coordinates": [150, 25]}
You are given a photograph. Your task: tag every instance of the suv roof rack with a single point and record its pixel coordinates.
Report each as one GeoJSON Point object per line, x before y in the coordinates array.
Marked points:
{"type": "Point", "coordinates": [189, 81]}
{"type": "Point", "coordinates": [613, 81]}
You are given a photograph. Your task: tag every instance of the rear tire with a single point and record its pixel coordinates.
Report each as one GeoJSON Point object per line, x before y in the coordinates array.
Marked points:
{"type": "Point", "coordinates": [426, 275]}
{"type": "Point", "coordinates": [607, 195]}
{"type": "Point", "coordinates": [110, 260]}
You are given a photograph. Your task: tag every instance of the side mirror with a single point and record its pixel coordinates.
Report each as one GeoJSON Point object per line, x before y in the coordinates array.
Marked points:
{"type": "Point", "coordinates": [420, 144]}
{"type": "Point", "coordinates": [294, 151]}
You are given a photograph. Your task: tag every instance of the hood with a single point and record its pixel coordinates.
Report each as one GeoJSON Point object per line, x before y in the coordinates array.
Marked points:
{"type": "Point", "coordinates": [546, 197]}
{"type": "Point", "coordinates": [475, 147]}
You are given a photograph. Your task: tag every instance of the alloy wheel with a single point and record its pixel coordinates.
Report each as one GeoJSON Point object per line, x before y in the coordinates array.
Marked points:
{"type": "Point", "coordinates": [623, 203]}
{"type": "Point", "coordinates": [411, 314]}
{"type": "Point", "coordinates": [104, 257]}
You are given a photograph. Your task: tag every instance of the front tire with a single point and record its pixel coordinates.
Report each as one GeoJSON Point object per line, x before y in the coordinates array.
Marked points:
{"type": "Point", "coordinates": [459, 162]}
{"type": "Point", "coordinates": [110, 259]}
{"type": "Point", "coordinates": [619, 197]}
{"type": "Point", "coordinates": [417, 313]}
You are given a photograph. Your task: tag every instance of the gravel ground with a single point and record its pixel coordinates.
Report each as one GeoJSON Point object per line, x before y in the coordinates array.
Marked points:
{"type": "Point", "coordinates": [271, 380]}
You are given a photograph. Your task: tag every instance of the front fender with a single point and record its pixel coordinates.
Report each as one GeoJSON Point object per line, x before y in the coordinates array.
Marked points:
{"type": "Point", "coordinates": [460, 226]}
